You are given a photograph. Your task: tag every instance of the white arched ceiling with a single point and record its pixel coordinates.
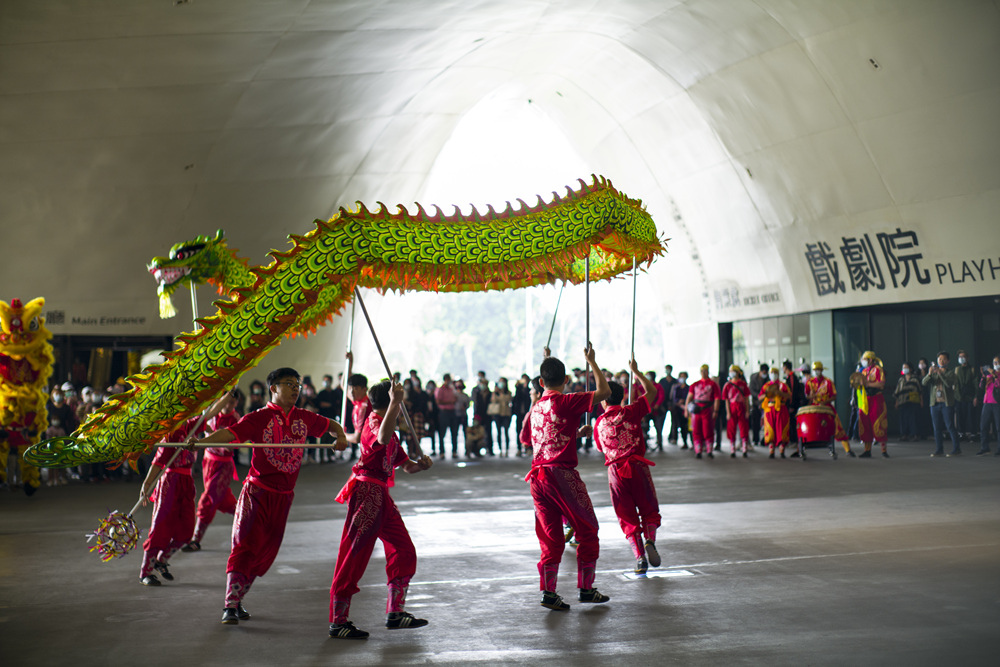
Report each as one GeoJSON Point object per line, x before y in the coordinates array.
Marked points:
{"type": "Point", "coordinates": [751, 128]}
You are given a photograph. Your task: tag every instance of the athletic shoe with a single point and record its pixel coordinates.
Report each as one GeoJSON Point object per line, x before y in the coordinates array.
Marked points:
{"type": "Point", "coordinates": [242, 612]}
{"type": "Point", "coordinates": [401, 619]}
{"type": "Point", "coordinates": [346, 630]}
{"type": "Point", "coordinates": [698, 455]}
{"type": "Point", "coordinates": [641, 566]}
{"type": "Point", "coordinates": [150, 580]}
{"type": "Point", "coordinates": [191, 546]}
{"type": "Point", "coordinates": [568, 534]}
{"type": "Point", "coordinates": [553, 601]}
{"type": "Point", "coordinates": [732, 455]}
{"type": "Point", "coordinates": [885, 455]}
{"type": "Point", "coordinates": [230, 616]}
{"type": "Point", "coordinates": [161, 567]}
{"type": "Point", "coordinates": [652, 554]}
{"type": "Point", "coordinates": [852, 454]}
{"type": "Point", "coordinates": [744, 455]}
{"type": "Point", "coordinates": [867, 454]}
{"type": "Point", "coordinates": [592, 595]}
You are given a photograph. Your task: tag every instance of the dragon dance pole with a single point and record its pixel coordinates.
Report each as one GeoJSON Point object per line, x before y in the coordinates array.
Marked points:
{"type": "Point", "coordinates": [586, 366]}
{"type": "Point", "coordinates": [194, 306]}
{"type": "Point", "coordinates": [631, 378]}
{"type": "Point", "coordinates": [406, 416]}
{"type": "Point", "coordinates": [347, 368]}
{"type": "Point", "coordinates": [552, 328]}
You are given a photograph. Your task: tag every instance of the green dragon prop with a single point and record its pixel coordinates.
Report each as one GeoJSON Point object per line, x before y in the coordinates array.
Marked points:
{"type": "Point", "coordinates": [310, 283]}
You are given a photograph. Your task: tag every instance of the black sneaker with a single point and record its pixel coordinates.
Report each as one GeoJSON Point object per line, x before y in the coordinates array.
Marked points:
{"type": "Point", "coordinates": [346, 630]}
{"type": "Point", "coordinates": [150, 580]}
{"type": "Point", "coordinates": [553, 601]}
{"type": "Point", "coordinates": [242, 612]}
{"type": "Point", "coordinates": [161, 567]}
{"type": "Point", "coordinates": [641, 565]}
{"type": "Point", "coordinates": [698, 455]}
{"type": "Point", "coordinates": [732, 455]}
{"type": "Point", "coordinates": [230, 616]}
{"type": "Point", "coordinates": [402, 619]}
{"type": "Point", "coordinates": [652, 554]}
{"type": "Point", "coordinates": [865, 455]}
{"type": "Point", "coordinates": [710, 455]}
{"type": "Point", "coordinates": [592, 595]}
{"type": "Point", "coordinates": [191, 546]}
{"type": "Point", "coordinates": [885, 455]}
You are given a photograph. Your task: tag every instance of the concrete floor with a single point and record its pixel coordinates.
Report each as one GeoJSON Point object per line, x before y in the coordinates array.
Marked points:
{"type": "Point", "coordinates": [765, 562]}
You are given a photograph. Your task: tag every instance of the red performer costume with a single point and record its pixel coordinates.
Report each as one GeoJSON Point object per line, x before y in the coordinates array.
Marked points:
{"type": "Point", "coordinates": [173, 506]}
{"type": "Point", "coordinates": [217, 470]}
{"type": "Point", "coordinates": [266, 497]}
{"type": "Point", "coordinates": [556, 487]}
{"type": "Point", "coordinates": [736, 393]}
{"type": "Point", "coordinates": [773, 397]}
{"type": "Point", "coordinates": [618, 434]}
{"type": "Point", "coordinates": [372, 515]}
{"type": "Point", "coordinates": [821, 391]}
{"type": "Point", "coordinates": [703, 403]}
{"type": "Point", "coordinates": [872, 419]}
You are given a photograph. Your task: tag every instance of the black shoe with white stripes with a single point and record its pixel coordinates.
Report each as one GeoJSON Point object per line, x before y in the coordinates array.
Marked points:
{"type": "Point", "coordinates": [652, 555]}
{"type": "Point", "coordinates": [346, 630]}
{"type": "Point", "coordinates": [553, 601]}
{"type": "Point", "coordinates": [395, 620]}
{"type": "Point", "coordinates": [592, 595]}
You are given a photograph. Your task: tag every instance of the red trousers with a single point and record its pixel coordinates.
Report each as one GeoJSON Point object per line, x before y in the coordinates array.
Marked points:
{"type": "Point", "coordinates": [371, 515]}
{"type": "Point", "coordinates": [738, 422]}
{"type": "Point", "coordinates": [258, 529]}
{"type": "Point", "coordinates": [558, 493]}
{"type": "Point", "coordinates": [776, 428]}
{"type": "Point", "coordinates": [703, 431]}
{"type": "Point", "coordinates": [173, 518]}
{"type": "Point", "coordinates": [634, 499]}
{"type": "Point", "coordinates": [217, 496]}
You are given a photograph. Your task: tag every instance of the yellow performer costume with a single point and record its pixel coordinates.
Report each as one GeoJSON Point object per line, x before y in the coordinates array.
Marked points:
{"type": "Point", "coordinates": [25, 366]}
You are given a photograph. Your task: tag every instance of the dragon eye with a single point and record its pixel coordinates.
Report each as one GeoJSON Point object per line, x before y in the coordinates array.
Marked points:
{"type": "Point", "coordinates": [33, 326]}
{"type": "Point", "coordinates": [180, 254]}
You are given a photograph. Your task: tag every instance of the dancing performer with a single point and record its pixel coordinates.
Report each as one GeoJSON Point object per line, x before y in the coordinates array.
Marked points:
{"type": "Point", "coordinates": [773, 397]}
{"type": "Point", "coordinates": [372, 514]}
{"type": "Point", "coordinates": [872, 419]}
{"type": "Point", "coordinates": [618, 434]}
{"type": "Point", "coordinates": [736, 394]}
{"type": "Point", "coordinates": [218, 469]}
{"type": "Point", "coordinates": [556, 487]}
{"type": "Point", "coordinates": [263, 505]}
{"type": "Point", "coordinates": [173, 499]}
{"type": "Point", "coordinates": [821, 391]}
{"type": "Point", "coordinates": [703, 403]}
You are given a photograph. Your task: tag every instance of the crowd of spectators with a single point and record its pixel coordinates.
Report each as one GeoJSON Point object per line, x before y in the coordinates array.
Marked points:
{"type": "Point", "coordinates": [930, 399]}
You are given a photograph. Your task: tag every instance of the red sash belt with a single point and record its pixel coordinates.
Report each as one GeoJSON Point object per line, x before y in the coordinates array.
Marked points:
{"type": "Point", "coordinates": [224, 459]}
{"type": "Point", "coordinates": [180, 471]}
{"type": "Point", "coordinates": [536, 472]}
{"type": "Point", "coordinates": [352, 481]}
{"type": "Point", "coordinates": [256, 482]}
{"type": "Point", "coordinates": [624, 470]}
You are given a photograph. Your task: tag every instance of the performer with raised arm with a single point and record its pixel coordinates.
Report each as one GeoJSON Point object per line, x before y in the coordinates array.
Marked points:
{"type": "Point", "coordinates": [556, 486]}
{"type": "Point", "coordinates": [371, 515]}
{"type": "Point", "coordinates": [618, 434]}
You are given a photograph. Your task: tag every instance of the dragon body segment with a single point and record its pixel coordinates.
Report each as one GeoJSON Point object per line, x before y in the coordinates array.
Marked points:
{"type": "Point", "coordinates": [307, 285]}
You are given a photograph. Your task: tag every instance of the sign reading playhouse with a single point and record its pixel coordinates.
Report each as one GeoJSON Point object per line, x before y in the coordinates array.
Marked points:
{"type": "Point", "coordinates": [891, 260]}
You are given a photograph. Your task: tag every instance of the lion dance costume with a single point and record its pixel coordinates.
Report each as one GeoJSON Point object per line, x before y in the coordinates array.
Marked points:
{"type": "Point", "coordinates": [25, 366]}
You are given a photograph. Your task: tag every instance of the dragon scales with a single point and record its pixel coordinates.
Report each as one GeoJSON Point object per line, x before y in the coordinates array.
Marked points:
{"type": "Point", "coordinates": [309, 284]}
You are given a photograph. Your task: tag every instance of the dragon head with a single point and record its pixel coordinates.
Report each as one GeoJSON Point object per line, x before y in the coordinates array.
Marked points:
{"type": "Point", "coordinates": [22, 328]}
{"type": "Point", "coordinates": [191, 262]}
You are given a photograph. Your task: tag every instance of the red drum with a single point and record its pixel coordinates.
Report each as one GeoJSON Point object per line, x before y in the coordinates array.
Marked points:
{"type": "Point", "coordinates": [816, 423]}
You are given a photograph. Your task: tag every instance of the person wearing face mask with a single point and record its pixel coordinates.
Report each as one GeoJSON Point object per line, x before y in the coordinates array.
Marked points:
{"type": "Point", "coordinates": [924, 426]}
{"type": "Point", "coordinates": [736, 395]}
{"type": "Point", "coordinates": [703, 404]}
{"type": "Point", "coordinates": [872, 420]}
{"type": "Point", "coordinates": [821, 391]}
{"type": "Point", "coordinates": [480, 396]}
{"type": "Point", "coordinates": [774, 395]}
{"type": "Point", "coordinates": [942, 382]}
{"type": "Point", "coordinates": [966, 396]}
{"type": "Point", "coordinates": [61, 423]}
{"type": "Point", "coordinates": [678, 419]}
{"type": "Point", "coordinates": [908, 402]}
{"type": "Point", "coordinates": [257, 397]}
{"type": "Point", "coordinates": [990, 386]}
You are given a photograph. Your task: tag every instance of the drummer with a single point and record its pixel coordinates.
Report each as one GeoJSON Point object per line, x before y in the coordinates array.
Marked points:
{"type": "Point", "coordinates": [774, 395]}
{"type": "Point", "coordinates": [820, 391]}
